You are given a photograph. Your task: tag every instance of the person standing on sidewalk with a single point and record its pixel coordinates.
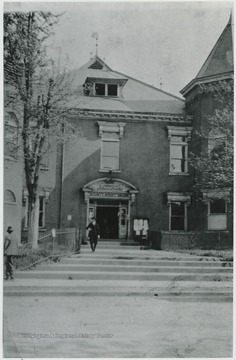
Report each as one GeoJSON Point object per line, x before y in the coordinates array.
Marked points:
{"type": "Point", "coordinates": [94, 233]}
{"type": "Point", "coordinates": [10, 249]}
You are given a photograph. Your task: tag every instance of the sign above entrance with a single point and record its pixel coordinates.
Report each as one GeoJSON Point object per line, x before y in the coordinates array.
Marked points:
{"type": "Point", "coordinates": [109, 195]}
{"type": "Point", "coordinates": [116, 186]}
{"type": "Point", "coordinates": [119, 189]}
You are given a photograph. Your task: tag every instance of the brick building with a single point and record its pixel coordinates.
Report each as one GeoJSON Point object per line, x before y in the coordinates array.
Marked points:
{"type": "Point", "coordinates": [130, 167]}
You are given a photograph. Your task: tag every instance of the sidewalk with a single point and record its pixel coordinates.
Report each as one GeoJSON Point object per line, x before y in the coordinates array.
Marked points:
{"type": "Point", "coordinates": [115, 327]}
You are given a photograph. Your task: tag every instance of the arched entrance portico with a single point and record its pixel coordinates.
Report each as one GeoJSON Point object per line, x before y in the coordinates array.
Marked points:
{"type": "Point", "coordinates": [110, 200]}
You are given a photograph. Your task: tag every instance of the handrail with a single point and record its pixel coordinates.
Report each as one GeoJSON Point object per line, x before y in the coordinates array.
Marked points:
{"type": "Point", "coordinates": [49, 248]}
{"type": "Point", "coordinates": [44, 259]}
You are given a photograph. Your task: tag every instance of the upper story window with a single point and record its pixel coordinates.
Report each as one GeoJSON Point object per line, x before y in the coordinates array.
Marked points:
{"type": "Point", "coordinates": [112, 90]}
{"type": "Point", "coordinates": [110, 134]}
{"type": "Point", "coordinates": [216, 145]}
{"type": "Point", "coordinates": [106, 89]}
{"type": "Point", "coordinates": [100, 89]}
{"type": "Point", "coordinates": [178, 155]}
{"type": "Point", "coordinates": [179, 137]}
{"type": "Point", "coordinates": [110, 155]}
{"type": "Point", "coordinates": [44, 164]}
{"type": "Point", "coordinates": [103, 87]}
{"type": "Point", "coordinates": [11, 135]}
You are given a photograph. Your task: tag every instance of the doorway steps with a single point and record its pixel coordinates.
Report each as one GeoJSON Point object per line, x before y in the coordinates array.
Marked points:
{"type": "Point", "coordinates": [116, 243]}
{"type": "Point", "coordinates": [117, 270]}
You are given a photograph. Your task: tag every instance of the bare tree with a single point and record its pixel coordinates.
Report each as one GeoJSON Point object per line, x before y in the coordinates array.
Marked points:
{"type": "Point", "coordinates": [36, 85]}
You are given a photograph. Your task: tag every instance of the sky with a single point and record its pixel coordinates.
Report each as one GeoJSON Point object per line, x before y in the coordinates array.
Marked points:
{"type": "Point", "coordinates": [155, 42]}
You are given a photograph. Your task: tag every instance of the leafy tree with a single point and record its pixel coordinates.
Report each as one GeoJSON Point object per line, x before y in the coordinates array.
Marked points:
{"type": "Point", "coordinates": [212, 159]}
{"type": "Point", "coordinates": [34, 85]}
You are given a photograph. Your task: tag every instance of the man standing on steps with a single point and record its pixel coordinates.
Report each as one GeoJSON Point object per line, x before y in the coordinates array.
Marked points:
{"type": "Point", "coordinates": [10, 249]}
{"type": "Point", "coordinates": [94, 233]}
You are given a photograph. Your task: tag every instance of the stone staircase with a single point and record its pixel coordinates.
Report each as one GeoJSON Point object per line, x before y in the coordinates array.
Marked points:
{"type": "Point", "coordinates": [116, 270]}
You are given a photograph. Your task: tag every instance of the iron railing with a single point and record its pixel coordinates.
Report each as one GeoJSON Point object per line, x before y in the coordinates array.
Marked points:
{"type": "Point", "coordinates": [51, 246]}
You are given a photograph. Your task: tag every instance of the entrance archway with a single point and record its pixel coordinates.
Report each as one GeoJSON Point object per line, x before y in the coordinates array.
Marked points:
{"type": "Point", "coordinates": [109, 200]}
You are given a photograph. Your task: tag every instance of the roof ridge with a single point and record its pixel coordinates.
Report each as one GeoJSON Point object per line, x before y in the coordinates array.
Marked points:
{"type": "Point", "coordinates": [151, 86]}
{"type": "Point", "coordinates": [108, 68]}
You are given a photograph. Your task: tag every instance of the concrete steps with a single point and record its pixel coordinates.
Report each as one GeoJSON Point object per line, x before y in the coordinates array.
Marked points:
{"type": "Point", "coordinates": [121, 271]}
{"type": "Point", "coordinates": [122, 275]}
{"type": "Point", "coordinates": [172, 268]}
{"type": "Point", "coordinates": [139, 262]}
{"type": "Point", "coordinates": [177, 290]}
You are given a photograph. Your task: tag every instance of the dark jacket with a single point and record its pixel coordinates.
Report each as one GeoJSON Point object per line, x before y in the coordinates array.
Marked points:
{"type": "Point", "coordinates": [94, 230]}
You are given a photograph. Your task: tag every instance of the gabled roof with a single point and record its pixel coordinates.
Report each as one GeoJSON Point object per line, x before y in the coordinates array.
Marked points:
{"type": "Point", "coordinates": [96, 65]}
{"type": "Point", "coordinates": [137, 95]}
{"type": "Point", "coordinates": [219, 63]}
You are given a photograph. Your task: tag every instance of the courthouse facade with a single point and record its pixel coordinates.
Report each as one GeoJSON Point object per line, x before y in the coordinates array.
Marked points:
{"type": "Point", "coordinates": [130, 165]}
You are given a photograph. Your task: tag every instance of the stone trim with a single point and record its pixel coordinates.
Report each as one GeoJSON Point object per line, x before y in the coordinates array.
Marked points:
{"type": "Point", "coordinates": [41, 192]}
{"type": "Point", "coordinates": [223, 193]}
{"type": "Point", "coordinates": [111, 127]}
{"type": "Point", "coordinates": [179, 131]}
{"type": "Point", "coordinates": [108, 115]}
{"type": "Point", "coordinates": [178, 196]}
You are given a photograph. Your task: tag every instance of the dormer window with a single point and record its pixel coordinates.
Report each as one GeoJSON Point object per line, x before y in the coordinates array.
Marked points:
{"type": "Point", "coordinates": [112, 90]}
{"type": "Point", "coordinates": [104, 87]}
{"type": "Point", "coordinates": [100, 89]}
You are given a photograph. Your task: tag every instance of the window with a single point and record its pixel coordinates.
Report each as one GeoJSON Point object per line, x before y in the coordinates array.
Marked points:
{"type": "Point", "coordinates": [106, 89]}
{"type": "Point", "coordinates": [44, 164]}
{"type": "Point", "coordinates": [9, 197]}
{"type": "Point", "coordinates": [110, 155]}
{"type": "Point", "coordinates": [178, 155]}
{"type": "Point", "coordinates": [41, 212]}
{"type": "Point", "coordinates": [217, 206]}
{"type": "Point", "coordinates": [179, 138]}
{"type": "Point", "coordinates": [41, 223]}
{"type": "Point", "coordinates": [112, 90]}
{"type": "Point", "coordinates": [104, 86]}
{"type": "Point", "coordinates": [178, 203]}
{"type": "Point", "coordinates": [100, 89]}
{"type": "Point", "coordinates": [216, 144]}
{"type": "Point", "coordinates": [42, 202]}
{"type": "Point", "coordinates": [177, 216]}
{"type": "Point", "coordinates": [216, 201]}
{"type": "Point", "coordinates": [111, 133]}
{"type": "Point", "coordinates": [11, 135]}
{"type": "Point", "coordinates": [217, 218]}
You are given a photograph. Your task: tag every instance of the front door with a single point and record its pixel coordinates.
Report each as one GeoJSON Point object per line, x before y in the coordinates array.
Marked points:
{"type": "Point", "coordinates": [108, 220]}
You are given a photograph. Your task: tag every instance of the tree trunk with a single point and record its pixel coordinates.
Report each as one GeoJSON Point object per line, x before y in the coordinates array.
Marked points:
{"type": "Point", "coordinates": [33, 222]}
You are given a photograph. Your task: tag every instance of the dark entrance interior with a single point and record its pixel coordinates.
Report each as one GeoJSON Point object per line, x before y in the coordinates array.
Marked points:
{"type": "Point", "coordinates": [107, 218]}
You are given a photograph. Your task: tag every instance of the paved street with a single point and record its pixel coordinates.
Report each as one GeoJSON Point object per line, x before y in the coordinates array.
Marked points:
{"type": "Point", "coordinates": [88, 326]}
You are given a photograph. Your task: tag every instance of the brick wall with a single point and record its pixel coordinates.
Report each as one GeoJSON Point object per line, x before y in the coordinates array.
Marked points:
{"type": "Point", "coordinates": [195, 240]}
{"type": "Point", "coordinates": [144, 162]}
